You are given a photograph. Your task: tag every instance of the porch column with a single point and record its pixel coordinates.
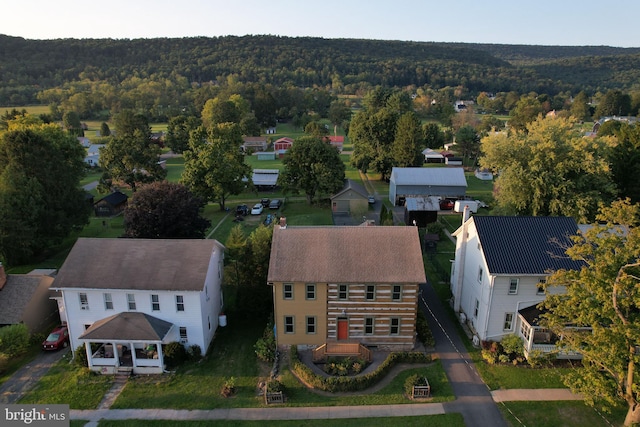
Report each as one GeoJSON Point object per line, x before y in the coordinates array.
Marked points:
{"type": "Point", "coordinates": [87, 349]}
{"type": "Point", "coordinates": [160, 355]}
{"type": "Point", "coordinates": [116, 356]}
{"type": "Point", "coordinates": [134, 363]}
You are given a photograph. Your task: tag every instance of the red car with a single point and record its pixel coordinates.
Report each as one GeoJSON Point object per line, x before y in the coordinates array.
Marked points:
{"type": "Point", "coordinates": [57, 339]}
{"type": "Point", "coordinates": [446, 204]}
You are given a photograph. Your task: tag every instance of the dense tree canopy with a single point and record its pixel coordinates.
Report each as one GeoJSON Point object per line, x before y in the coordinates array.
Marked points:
{"type": "Point", "coordinates": [165, 210]}
{"type": "Point", "coordinates": [624, 158]}
{"type": "Point", "coordinates": [603, 296]}
{"type": "Point", "coordinates": [40, 197]}
{"type": "Point", "coordinates": [214, 166]}
{"type": "Point", "coordinates": [313, 167]}
{"type": "Point", "coordinates": [548, 169]}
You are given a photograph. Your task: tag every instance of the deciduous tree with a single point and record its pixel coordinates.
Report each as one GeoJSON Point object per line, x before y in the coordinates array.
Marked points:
{"type": "Point", "coordinates": [214, 166]}
{"type": "Point", "coordinates": [603, 296]}
{"type": "Point", "coordinates": [313, 167]}
{"type": "Point", "coordinates": [165, 210]}
{"type": "Point", "coordinates": [41, 201]}
{"type": "Point", "coordinates": [548, 169]}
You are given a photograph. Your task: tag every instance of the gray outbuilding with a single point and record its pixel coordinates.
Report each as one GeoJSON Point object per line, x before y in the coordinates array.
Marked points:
{"type": "Point", "coordinates": [445, 182]}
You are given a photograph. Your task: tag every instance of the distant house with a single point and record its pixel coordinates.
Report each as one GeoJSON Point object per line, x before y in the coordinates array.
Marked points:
{"type": "Point", "coordinates": [426, 181]}
{"type": "Point", "coordinates": [282, 145]}
{"type": "Point", "coordinates": [265, 179]}
{"type": "Point", "coordinates": [254, 143]}
{"type": "Point", "coordinates": [84, 141]}
{"type": "Point", "coordinates": [93, 154]}
{"type": "Point", "coordinates": [24, 298]}
{"type": "Point", "coordinates": [126, 299]}
{"type": "Point", "coordinates": [339, 287]}
{"type": "Point", "coordinates": [336, 141]}
{"type": "Point", "coordinates": [453, 161]}
{"type": "Point", "coordinates": [352, 198]}
{"type": "Point", "coordinates": [501, 264]}
{"type": "Point", "coordinates": [110, 205]}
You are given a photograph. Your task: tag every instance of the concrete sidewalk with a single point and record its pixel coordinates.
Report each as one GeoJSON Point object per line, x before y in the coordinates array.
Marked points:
{"type": "Point", "coordinates": [538, 394]}
{"type": "Point", "coordinates": [305, 413]}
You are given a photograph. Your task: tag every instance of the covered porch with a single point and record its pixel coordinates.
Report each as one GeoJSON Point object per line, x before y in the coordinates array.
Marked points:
{"type": "Point", "coordinates": [126, 340]}
{"type": "Point", "coordinates": [537, 338]}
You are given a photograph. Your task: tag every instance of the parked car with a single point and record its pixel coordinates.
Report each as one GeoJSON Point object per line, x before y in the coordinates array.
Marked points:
{"type": "Point", "coordinates": [275, 204]}
{"type": "Point", "coordinates": [446, 204]}
{"type": "Point", "coordinates": [372, 200]}
{"type": "Point", "coordinates": [242, 210]}
{"type": "Point", "coordinates": [269, 219]}
{"type": "Point", "coordinates": [57, 339]}
{"type": "Point", "coordinates": [256, 209]}
{"type": "Point", "coordinates": [265, 202]}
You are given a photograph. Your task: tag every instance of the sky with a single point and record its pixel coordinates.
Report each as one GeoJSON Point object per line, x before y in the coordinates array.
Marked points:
{"type": "Point", "coordinates": [556, 23]}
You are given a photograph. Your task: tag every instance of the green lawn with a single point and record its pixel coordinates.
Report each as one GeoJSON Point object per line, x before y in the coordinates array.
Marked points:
{"type": "Point", "coordinates": [561, 413]}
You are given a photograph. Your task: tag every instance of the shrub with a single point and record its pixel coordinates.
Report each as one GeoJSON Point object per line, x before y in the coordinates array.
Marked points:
{"type": "Point", "coordinates": [4, 362]}
{"type": "Point", "coordinates": [491, 357]}
{"type": "Point", "coordinates": [265, 347]}
{"type": "Point", "coordinates": [275, 386]}
{"type": "Point", "coordinates": [512, 345]}
{"type": "Point", "coordinates": [194, 352]}
{"type": "Point", "coordinates": [538, 358]}
{"type": "Point", "coordinates": [423, 330]}
{"type": "Point", "coordinates": [229, 387]}
{"type": "Point", "coordinates": [413, 381]}
{"type": "Point", "coordinates": [14, 339]}
{"type": "Point", "coordinates": [80, 356]}
{"type": "Point", "coordinates": [174, 354]}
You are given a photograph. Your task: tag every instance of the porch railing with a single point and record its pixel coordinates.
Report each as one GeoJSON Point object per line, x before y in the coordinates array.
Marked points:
{"type": "Point", "coordinates": [341, 349]}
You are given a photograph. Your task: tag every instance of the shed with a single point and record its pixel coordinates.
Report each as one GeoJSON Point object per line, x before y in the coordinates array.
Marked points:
{"type": "Point", "coordinates": [266, 155]}
{"type": "Point", "coordinates": [453, 161]}
{"type": "Point", "coordinates": [431, 156]}
{"type": "Point", "coordinates": [420, 211]}
{"type": "Point", "coordinates": [484, 174]}
{"type": "Point", "coordinates": [110, 205]}
{"type": "Point", "coordinates": [352, 198]}
{"type": "Point", "coordinates": [427, 181]}
{"type": "Point", "coordinates": [265, 178]}
{"type": "Point", "coordinates": [282, 145]}
{"type": "Point", "coordinates": [254, 143]}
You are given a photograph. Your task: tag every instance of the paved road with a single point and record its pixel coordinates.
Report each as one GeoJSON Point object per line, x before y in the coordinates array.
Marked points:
{"type": "Point", "coordinates": [26, 377]}
{"type": "Point", "coordinates": [473, 398]}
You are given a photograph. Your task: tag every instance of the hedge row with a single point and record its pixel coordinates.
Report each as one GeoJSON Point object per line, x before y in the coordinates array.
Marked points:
{"type": "Point", "coordinates": [354, 383]}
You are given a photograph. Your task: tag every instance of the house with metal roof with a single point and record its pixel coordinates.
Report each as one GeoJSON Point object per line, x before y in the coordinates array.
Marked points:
{"type": "Point", "coordinates": [444, 182]}
{"type": "Point", "coordinates": [345, 289]}
{"type": "Point", "coordinates": [125, 299]}
{"type": "Point", "coordinates": [500, 268]}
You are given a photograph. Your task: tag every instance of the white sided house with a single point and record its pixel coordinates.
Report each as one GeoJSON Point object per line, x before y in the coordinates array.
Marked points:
{"type": "Point", "coordinates": [501, 264]}
{"type": "Point", "coordinates": [125, 299]}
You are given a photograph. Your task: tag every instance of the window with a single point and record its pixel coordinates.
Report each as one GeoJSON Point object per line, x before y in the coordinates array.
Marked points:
{"type": "Point", "coordinates": [155, 302]}
{"type": "Point", "coordinates": [513, 286]}
{"type": "Point", "coordinates": [368, 325]}
{"type": "Point", "coordinates": [179, 303]}
{"type": "Point", "coordinates": [287, 291]}
{"type": "Point", "coordinates": [476, 309]}
{"type": "Point", "coordinates": [371, 292]}
{"type": "Point", "coordinates": [395, 326]}
{"type": "Point", "coordinates": [508, 321]}
{"type": "Point", "coordinates": [108, 302]}
{"type": "Point", "coordinates": [343, 292]}
{"type": "Point", "coordinates": [541, 285]}
{"type": "Point", "coordinates": [183, 334]}
{"type": "Point", "coordinates": [288, 325]}
{"type": "Point", "coordinates": [311, 324]}
{"type": "Point", "coordinates": [131, 301]}
{"type": "Point", "coordinates": [84, 302]}
{"type": "Point", "coordinates": [310, 291]}
{"type": "Point", "coordinates": [480, 274]}
{"type": "Point", "coordinates": [396, 293]}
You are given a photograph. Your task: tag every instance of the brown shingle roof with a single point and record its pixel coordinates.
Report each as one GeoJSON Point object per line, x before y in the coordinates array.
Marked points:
{"type": "Point", "coordinates": [346, 255]}
{"type": "Point", "coordinates": [128, 326]}
{"type": "Point", "coordinates": [145, 264]}
{"type": "Point", "coordinates": [16, 294]}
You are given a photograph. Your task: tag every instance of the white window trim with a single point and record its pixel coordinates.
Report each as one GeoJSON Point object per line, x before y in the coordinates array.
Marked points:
{"type": "Point", "coordinates": [308, 286]}
{"type": "Point", "coordinates": [284, 291]}
{"type": "Point", "coordinates": [510, 321]}
{"type": "Point", "coordinates": [511, 290]}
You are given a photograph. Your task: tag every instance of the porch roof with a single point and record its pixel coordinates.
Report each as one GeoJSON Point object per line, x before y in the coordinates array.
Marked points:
{"type": "Point", "coordinates": [128, 326]}
{"type": "Point", "coordinates": [531, 314]}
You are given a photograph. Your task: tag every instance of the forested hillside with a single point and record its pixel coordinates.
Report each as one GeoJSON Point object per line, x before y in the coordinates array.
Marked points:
{"type": "Point", "coordinates": [30, 66]}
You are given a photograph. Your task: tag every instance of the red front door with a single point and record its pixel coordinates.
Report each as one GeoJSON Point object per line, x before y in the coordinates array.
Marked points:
{"type": "Point", "coordinates": [343, 329]}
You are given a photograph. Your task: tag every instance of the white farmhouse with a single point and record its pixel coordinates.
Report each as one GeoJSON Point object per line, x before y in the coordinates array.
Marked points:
{"type": "Point", "coordinates": [124, 299]}
{"type": "Point", "coordinates": [501, 264]}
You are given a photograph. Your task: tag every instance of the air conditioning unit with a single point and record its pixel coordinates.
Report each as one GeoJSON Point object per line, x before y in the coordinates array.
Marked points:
{"type": "Point", "coordinates": [183, 340]}
{"type": "Point", "coordinates": [476, 340]}
{"type": "Point", "coordinates": [84, 307]}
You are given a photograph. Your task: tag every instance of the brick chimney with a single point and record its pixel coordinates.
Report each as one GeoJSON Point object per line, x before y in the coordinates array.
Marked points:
{"type": "Point", "coordinates": [283, 222]}
{"type": "Point", "coordinates": [3, 276]}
